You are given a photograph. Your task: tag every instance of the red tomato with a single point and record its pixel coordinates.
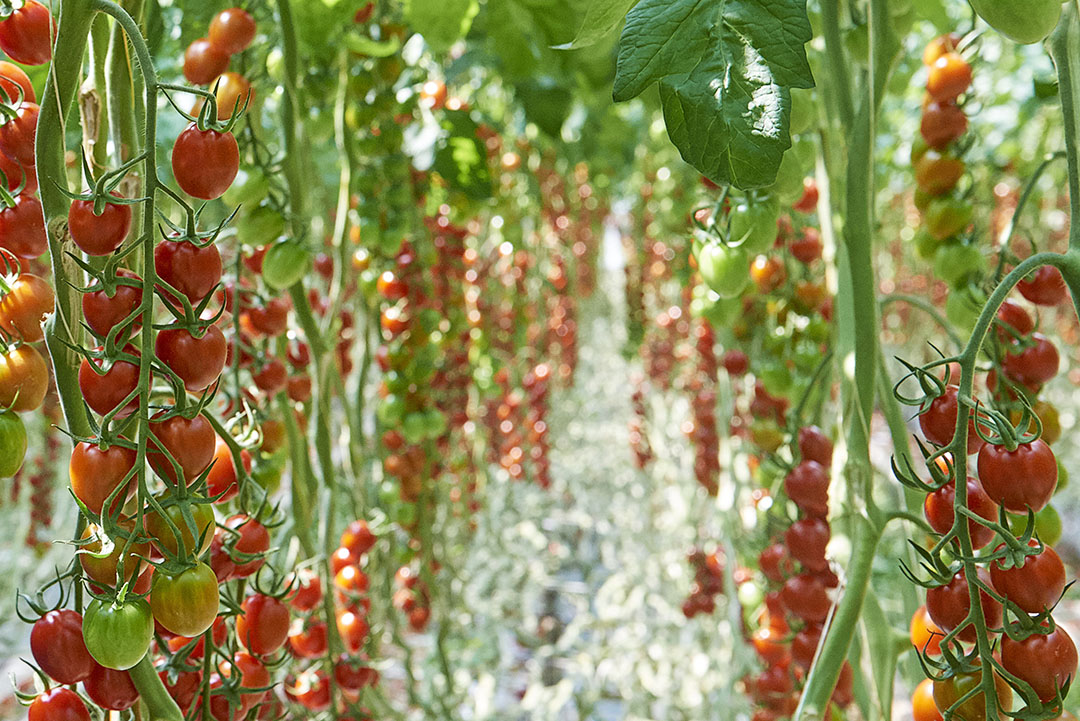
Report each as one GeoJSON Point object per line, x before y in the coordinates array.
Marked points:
{"type": "Point", "coordinates": [1034, 586]}
{"type": "Point", "coordinates": [184, 689]}
{"type": "Point", "coordinates": [270, 319]}
{"type": "Point", "coordinates": [938, 508]}
{"type": "Point", "coordinates": [1044, 286]}
{"type": "Point", "coordinates": [24, 307]}
{"type": "Point", "coordinates": [253, 675]}
{"type": "Point", "coordinates": [806, 596]}
{"type": "Point", "coordinates": [22, 228]}
{"type": "Point", "coordinates": [298, 389]}
{"type": "Point", "coordinates": [56, 641]}
{"type": "Point", "coordinates": [938, 421]}
{"type": "Point", "coordinates": [222, 476]}
{"type": "Point", "coordinates": [310, 640]}
{"type": "Point", "coordinates": [358, 538]}
{"type": "Point", "coordinates": [809, 200]}
{"type": "Point", "coordinates": [771, 646]}
{"type": "Point", "coordinates": [16, 174]}
{"type": "Point", "coordinates": [104, 312]}
{"type": "Point", "coordinates": [58, 704]}
{"type": "Point", "coordinates": [950, 76]}
{"type": "Point", "coordinates": [1019, 479]}
{"type": "Point", "coordinates": [110, 689]}
{"type": "Point", "coordinates": [353, 676]}
{"type": "Point", "coordinates": [1015, 320]}
{"type": "Point", "coordinates": [253, 540]}
{"type": "Point", "coordinates": [105, 392]}
{"type": "Point", "coordinates": [198, 361]}
{"type": "Point", "coordinates": [353, 630]}
{"type": "Point", "coordinates": [1035, 364]}
{"type": "Point", "coordinates": [232, 30]}
{"type": "Point", "coordinates": [271, 378]}
{"type": "Point", "coordinates": [807, 247]}
{"type": "Point", "coordinates": [341, 558]}
{"type": "Point", "coordinates": [95, 474]}
{"type": "Point", "coordinates": [263, 625]}
{"type": "Point", "coordinates": [311, 689]}
{"type": "Point", "coordinates": [306, 590]}
{"type": "Point", "coordinates": [18, 132]}
{"type": "Point", "coordinates": [191, 269]}
{"type": "Point", "coordinates": [806, 539]}
{"type": "Point", "coordinates": [350, 581]}
{"type": "Point", "coordinates": [203, 62]}
{"type": "Point", "coordinates": [925, 634]}
{"type": "Point", "coordinates": [807, 484]}
{"type": "Point", "coordinates": [390, 287]}
{"type": "Point", "coordinates": [1045, 661]}
{"type": "Point", "coordinates": [948, 605]}
{"type": "Point", "coordinates": [14, 81]}
{"type": "Point", "coordinates": [190, 442]}
{"type": "Point", "coordinates": [941, 124]}
{"type": "Point", "coordinates": [804, 645]}
{"type": "Point", "coordinates": [27, 34]}
{"type": "Point", "coordinates": [99, 234]}
{"type": "Point", "coordinates": [205, 162]}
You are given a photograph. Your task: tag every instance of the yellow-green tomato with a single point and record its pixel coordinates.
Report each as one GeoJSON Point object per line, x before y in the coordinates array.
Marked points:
{"type": "Point", "coordinates": [185, 604]}
{"type": "Point", "coordinates": [724, 268]}
{"type": "Point", "coordinates": [1022, 21]}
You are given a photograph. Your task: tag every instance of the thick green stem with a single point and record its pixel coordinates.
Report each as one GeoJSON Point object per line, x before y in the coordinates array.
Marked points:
{"type": "Point", "coordinates": [152, 693]}
{"type": "Point", "coordinates": [1065, 49]}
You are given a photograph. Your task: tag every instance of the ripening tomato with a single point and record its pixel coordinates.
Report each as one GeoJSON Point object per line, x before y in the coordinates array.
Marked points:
{"type": "Point", "coordinates": [353, 630]}
{"type": "Point", "coordinates": [938, 173]}
{"type": "Point", "coordinates": [205, 162]}
{"type": "Point", "coordinates": [938, 508]}
{"type": "Point", "coordinates": [99, 234]}
{"type": "Point", "coordinates": [806, 540]}
{"type": "Point", "coordinates": [105, 392]}
{"type": "Point", "coordinates": [253, 540]}
{"type": "Point", "coordinates": [27, 34]}
{"type": "Point", "coordinates": [771, 646]}
{"type": "Point", "coordinates": [56, 643]}
{"type": "Point", "coordinates": [198, 361]}
{"type": "Point", "coordinates": [193, 270]}
{"type": "Point", "coordinates": [253, 675]}
{"type": "Point", "coordinates": [15, 83]}
{"type": "Point", "coordinates": [948, 605]}
{"type": "Point", "coordinates": [222, 476]}
{"type": "Point", "coordinates": [104, 569]}
{"type": "Point", "coordinates": [189, 442]}
{"type": "Point", "coordinates": [1019, 479]}
{"type": "Point", "coordinates": [390, 287]}
{"type": "Point", "coordinates": [118, 635]}
{"type": "Point", "coordinates": [925, 634]}
{"type": "Point", "coordinates": [350, 581]}
{"type": "Point", "coordinates": [938, 421]}
{"type": "Point", "coordinates": [1046, 662]}
{"type": "Point", "coordinates": [203, 62]}
{"type": "Point", "coordinates": [104, 312]}
{"type": "Point", "coordinates": [22, 228]}
{"type": "Point", "coordinates": [923, 707]}
{"type": "Point", "coordinates": [233, 94]}
{"type": "Point", "coordinates": [24, 379]}
{"type": "Point", "coordinates": [58, 704]}
{"type": "Point", "coordinates": [1044, 286]}
{"type": "Point", "coordinates": [949, 691]}
{"type": "Point", "coordinates": [18, 132]}
{"type": "Point", "coordinates": [1034, 586]}
{"type": "Point", "coordinates": [941, 124]}
{"type": "Point", "coordinates": [938, 47]}
{"type": "Point", "coordinates": [263, 624]}
{"type": "Point", "coordinates": [1013, 322]}
{"type": "Point", "coordinates": [232, 30]}
{"type": "Point", "coordinates": [111, 689]}
{"type": "Point", "coordinates": [311, 689]}
{"type": "Point", "coordinates": [165, 538]}
{"type": "Point", "coordinates": [96, 473]}
{"type": "Point", "coordinates": [309, 640]}
{"type": "Point", "coordinates": [949, 77]}
{"type": "Point", "coordinates": [24, 306]}
{"type": "Point", "coordinates": [196, 647]}
{"type": "Point", "coordinates": [1035, 364]}
{"type": "Point", "coordinates": [186, 603]}
{"type": "Point", "coordinates": [767, 273]}
{"type": "Point", "coordinates": [358, 538]}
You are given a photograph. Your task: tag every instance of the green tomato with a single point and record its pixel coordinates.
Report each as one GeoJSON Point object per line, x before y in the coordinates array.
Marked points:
{"type": "Point", "coordinates": [1022, 21]}
{"type": "Point", "coordinates": [725, 269]}
{"type": "Point", "coordinates": [753, 227]}
{"type": "Point", "coordinates": [926, 245]}
{"type": "Point", "coordinates": [946, 216]}
{"type": "Point", "coordinates": [802, 110]}
{"type": "Point", "coordinates": [962, 308]}
{"type": "Point", "coordinates": [958, 264]}
{"type": "Point", "coordinates": [766, 435]}
{"type": "Point", "coordinates": [260, 226]}
{"type": "Point", "coordinates": [12, 443]}
{"type": "Point", "coordinates": [414, 428]}
{"type": "Point", "coordinates": [250, 188]}
{"type": "Point", "coordinates": [818, 330]}
{"type": "Point", "coordinates": [777, 379]}
{"type": "Point", "coordinates": [185, 604]}
{"type": "Point", "coordinates": [789, 179]}
{"type": "Point", "coordinates": [1047, 524]}
{"type": "Point", "coordinates": [285, 264]}
{"type": "Point", "coordinates": [118, 635]}
{"type": "Point", "coordinates": [391, 410]}
{"type": "Point", "coordinates": [434, 423]}
{"type": "Point", "coordinates": [268, 473]}
{"type": "Point", "coordinates": [1063, 477]}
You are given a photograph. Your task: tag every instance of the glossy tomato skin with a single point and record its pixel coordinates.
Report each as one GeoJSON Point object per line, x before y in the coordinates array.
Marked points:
{"type": "Point", "coordinates": [205, 162]}
{"type": "Point", "coordinates": [254, 539]}
{"type": "Point", "coordinates": [232, 30]}
{"type": "Point", "coordinates": [185, 604]}
{"type": "Point", "coordinates": [938, 421]}
{"type": "Point", "coordinates": [263, 626]}
{"type": "Point", "coordinates": [938, 508]}
{"type": "Point", "coordinates": [104, 312]}
{"type": "Point", "coordinates": [103, 570]}
{"type": "Point", "coordinates": [198, 361]}
{"type": "Point", "coordinates": [806, 596]}
{"type": "Point", "coordinates": [95, 473]}
{"type": "Point", "coordinates": [58, 704]}
{"type": "Point", "coordinates": [1044, 286]}
{"type": "Point", "coordinates": [950, 76]}
{"type": "Point", "coordinates": [222, 476]}
{"type": "Point", "coordinates": [190, 442]}
{"type": "Point", "coordinates": [923, 707]}
{"type": "Point", "coordinates": [1015, 321]}
{"type": "Point", "coordinates": [22, 228]}
{"type": "Point", "coordinates": [1044, 661]}
{"type": "Point", "coordinates": [17, 175]}
{"type": "Point", "coordinates": [203, 62]}
{"type": "Point", "coordinates": [1019, 479]}
{"type": "Point", "coordinates": [14, 81]}
{"type": "Point", "coordinates": [253, 675]}
{"type": "Point", "coordinates": [310, 640]}
{"type": "Point", "coordinates": [118, 636]}
{"type": "Point", "coordinates": [358, 538]}
{"type": "Point", "coordinates": [1036, 585]}
{"type": "Point", "coordinates": [105, 392]}
{"type": "Point", "coordinates": [1034, 364]}
{"type": "Point", "coordinates": [191, 269]}
{"type": "Point", "coordinates": [111, 689]}
{"type": "Point", "coordinates": [306, 590]}
{"type": "Point", "coordinates": [941, 124]}
{"type": "Point", "coordinates": [17, 134]}
{"type": "Point", "coordinates": [56, 643]}
{"type": "Point", "coordinates": [949, 691]}
{"type": "Point", "coordinates": [26, 36]}
{"type": "Point", "coordinates": [24, 307]}
{"type": "Point", "coordinates": [806, 539]}
{"type": "Point", "coordinates": [24, 379]}
{"type": "Point", "coordinates": [925, 634]}
{"type": "Point", "coordinates": [99, 235]}
{"type": "Point", "coordinates": [948, 605]}
{"type": "Point", "coordinates": [808, 486]}
{"type": "Point", "coordinates": [163, 537]}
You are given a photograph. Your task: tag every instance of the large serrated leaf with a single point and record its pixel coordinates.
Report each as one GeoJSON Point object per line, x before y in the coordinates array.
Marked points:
{"type": "Point", "coordinates": [601, 17]}
{"type": "Point", "coordinates": [661, 38]}
{"type": "Point", "coordinates": [441, 22]}
{"type": "Point", "coordinates": [729, 116]}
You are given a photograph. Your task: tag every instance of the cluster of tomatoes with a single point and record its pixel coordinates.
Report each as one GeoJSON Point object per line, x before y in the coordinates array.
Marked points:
{"type": "Point", "coordinates": [639, 434]}
{"type": "Point", "coordinates": [798, 603]}
{"type": "Point", "coordinates": [412, 597]}
{"type": "Point", "coordinates": [206, 60]}
{"type": "Point", "coordinates": [708, 582]}
{"type": "Point", "coordinates": [308, 682]}
{"type": "Point", "coordinates": [937, 158]}
{"type": "Point", "coordinates": [701, 428]}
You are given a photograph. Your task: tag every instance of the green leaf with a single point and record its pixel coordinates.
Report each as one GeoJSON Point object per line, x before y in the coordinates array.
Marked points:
{"type": "Point", "coordinates": [441, 22]}
{"type": "Point", "coordinates": [363, 45]}
{"type": "Point", "coordinates": [661, 38]}
{"type": "Point", "coordinates": [461, 159]}
{"type": "Point", "coordinates": [601, 17]}
{"type": "Point", "coordinates": [545, 104]}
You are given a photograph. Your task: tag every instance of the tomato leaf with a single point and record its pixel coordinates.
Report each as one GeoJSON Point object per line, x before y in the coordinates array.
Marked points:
{"type": "Point", "coordinates": [441, 22]}
{"type": "Point", "coordinates": [461, 159]}
{"type": "Point", "coordinates": [601, 17]}
{"type": "Point", "coordinates": [726, 69]}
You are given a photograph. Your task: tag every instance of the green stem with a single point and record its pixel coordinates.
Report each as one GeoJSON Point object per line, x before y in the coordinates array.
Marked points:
{"type": "Point", "coordinates": [159, 704]}
{"type": "Point", "coordinates": [1065, 49]}
{"type": "Point", "coordinates": [838, 64]}
{"type": "Point", "coordinates": [290, 119]}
